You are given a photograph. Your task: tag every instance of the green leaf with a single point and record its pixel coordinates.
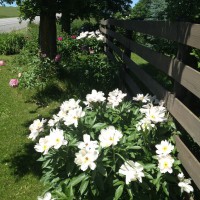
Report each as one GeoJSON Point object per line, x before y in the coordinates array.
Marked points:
{"type": "Point", "coordinates": [165, 188]}
{"type": "Point", "coordinates": [117, 182]}
{"type": "Point", "coordinates": [148, 176]}
{"type": "Point", "coordinates": [102, 170]}
{"type": "Point", "coordinates": [119, 192]}
{"type": "Point", "coordinates": [83, 186]}
{"type": "Point", "coordinates": [130, 193]}
{"type": "Point", "coordinates": [99, 125]}
{"type": "Point", "coordinates": [134, 147]}
{"type": "Point", "coordinates": [77, 179]}
{"type": "Point", "coordinates": [149, 166]}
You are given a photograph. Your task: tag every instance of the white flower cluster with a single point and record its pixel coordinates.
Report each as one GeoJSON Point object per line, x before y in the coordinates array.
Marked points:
{"type": "Point", "coordinates": [88, 153]}
{"type": "Point", "coordinates": [93, 34]}
{"type": "Point", "coordinates": [54, 140]}
{"type": "Point", "coordinates": [70, 112]}
{"type": "Point", "coordinates": [89, 149]}
{"type": "Point", "coordinates": [165, 161]}
{"type": "Point", "coordinates": [153, 114]}
{"type": "Point", "coordinates": [36, 127]}
{"type": "Point", "coordinates": [94, 97]}
{"type": "Point", "coordinates": [114, 98]}
{"type": "Point", "coordinates": [132, 170]}
{"type": "Point", "coordinates": [184, 184]}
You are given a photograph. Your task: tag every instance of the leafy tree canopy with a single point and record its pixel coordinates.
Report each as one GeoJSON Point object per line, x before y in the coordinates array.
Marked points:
{"type": "Point", "coordinates": [141, 9]}
{"type": "Point", "coordinates": [184, 10]}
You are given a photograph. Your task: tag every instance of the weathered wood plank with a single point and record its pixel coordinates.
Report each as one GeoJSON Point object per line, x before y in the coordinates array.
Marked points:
{"type": "Point", "coordinates": [190, 163]}
{"type": "Point", "coordinates": [183, 32]}
{"type": "Point", "coordinates": [189, 121]}
{"type": "Point", "coordinates": [185, 75]}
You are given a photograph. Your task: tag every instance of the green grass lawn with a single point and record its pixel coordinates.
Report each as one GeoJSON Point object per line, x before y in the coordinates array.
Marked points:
{"type": "Point", "coordinates": [20, 172]}
{"type": "Point", "coordinates": [6, 12]}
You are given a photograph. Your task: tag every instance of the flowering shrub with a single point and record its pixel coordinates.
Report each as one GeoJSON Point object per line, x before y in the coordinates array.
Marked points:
{"type": "Point", "coordinates": [107, 148]}
{"type": "Point", "coordinates": [86, 43]}
{"type": "Point", "coordinates": [39, 71]}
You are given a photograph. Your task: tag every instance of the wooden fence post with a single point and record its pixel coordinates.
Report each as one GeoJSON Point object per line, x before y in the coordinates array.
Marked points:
{"type": "Point", "coordinates": [127, 50]}
{"type": "Point", "coordinates": [112, 28]}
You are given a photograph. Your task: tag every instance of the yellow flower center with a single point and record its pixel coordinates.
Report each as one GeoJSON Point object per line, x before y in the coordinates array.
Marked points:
{"type": "Point", "coordinates": [165, 165]}
{"type": "Point", "coordinates": [57, 140]}
{"type": "Point", "coordinates": [164, 148]}
{"type": "Point", "coordinates": [45, 147]}
{"type": "Point", "coordinates": [86, 159]}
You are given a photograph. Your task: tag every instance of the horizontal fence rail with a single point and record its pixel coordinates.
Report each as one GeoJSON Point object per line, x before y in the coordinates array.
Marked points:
{"type": "Point", "coordinates": [119, 47]}
{"type": "Point", "coordinates": [182, 32]}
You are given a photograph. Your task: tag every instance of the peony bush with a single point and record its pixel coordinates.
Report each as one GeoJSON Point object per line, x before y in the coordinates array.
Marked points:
{"type": "Point", "coordinates": [109, 148]}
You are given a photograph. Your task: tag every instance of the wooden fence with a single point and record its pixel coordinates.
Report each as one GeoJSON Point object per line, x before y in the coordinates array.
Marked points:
{"type": "Point", "coordinates": [177, 68]}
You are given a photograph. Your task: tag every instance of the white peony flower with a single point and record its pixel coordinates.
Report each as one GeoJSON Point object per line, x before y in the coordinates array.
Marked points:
{"type": "Point", "coordinates": [164, 148]}
{"type": "Point", "coordinates": [94, 97]}
{"type": "Point", "coordinates": [142, 98]}
{"type": "Point", "coordinates": [115, 97]}
{"type": "Point", "coordinates": [73, 116]}
{"type": "Point", "coordinates": [86, 159]}
{"type": "Point", "coordinates": [57, 138]}
{"type": "Point", "coordinates": [54, 121]}
{"type": "Point", "coordinates": [132, 170]}
{"type": "Point", "coordinates": [87, 144]}
{"type": "Point", "coordinates": [154, 113]}
{"type": "Point", "coordinates": [61, 114]}
{"type": "Point", "coordinates": [36, 127]}
{"type": "Point", "coordinates": [82, 35]}
{"type": "Point", "coordinates": [165, 163]}
{"type": "Point", "coordinates": [145, 124]}
{"type": "Point", "coordinates": [109, 136]}
{"type": "Point", "coordinates": [44, 145]}
{"type": "Point", "coordinates": [100, 38]}
{"type": "Point", "coordinates": [47, 196]}
{"type": "Point", "coordinates": [185, 186]}
{"type": "Point", "coordinates": [69, 105]}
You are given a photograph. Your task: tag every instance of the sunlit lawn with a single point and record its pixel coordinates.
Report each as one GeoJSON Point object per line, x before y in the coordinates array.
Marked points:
{"type": "Point", "coordinates": [19, 170]}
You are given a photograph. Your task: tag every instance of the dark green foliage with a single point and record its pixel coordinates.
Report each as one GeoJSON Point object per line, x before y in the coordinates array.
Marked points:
{"type": "Point", "coordinates": [141, 10]}
{"type": "Point", "coordinates": [184, 10]}
{"type": "Point", "coordinates": [157, 10]}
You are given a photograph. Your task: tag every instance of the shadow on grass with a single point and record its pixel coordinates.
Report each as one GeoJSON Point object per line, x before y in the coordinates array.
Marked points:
{"type": "Point", "coordinates": [24, 162]}
{"type": "Point", "coordinates": [50, 93]}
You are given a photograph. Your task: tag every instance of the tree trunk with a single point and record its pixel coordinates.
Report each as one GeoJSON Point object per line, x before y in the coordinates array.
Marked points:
{"type": "Point", "coordinates": [66, 22]}
{"type": "Point", "coordinates": [47, 34]}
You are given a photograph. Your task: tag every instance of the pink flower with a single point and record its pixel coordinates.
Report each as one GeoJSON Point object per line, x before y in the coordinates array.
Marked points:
{"type": "Point", "coordinates": [73, 36]}
{"type": "Point", "coordinates": [57, 58]}
{"type": "Point", "coordinates": [2, 63]}
{"type": "Point", "coordinates": [60, 38]}
{"type": "Point", "coordinates": [13, 82]}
